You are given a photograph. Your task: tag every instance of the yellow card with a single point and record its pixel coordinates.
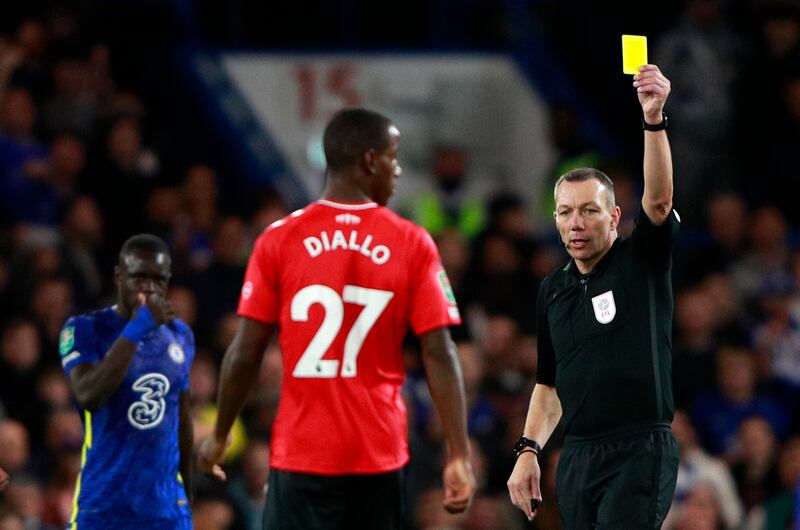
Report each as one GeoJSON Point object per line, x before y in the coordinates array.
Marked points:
{"type": "Point", "coordinates": [634, 53]}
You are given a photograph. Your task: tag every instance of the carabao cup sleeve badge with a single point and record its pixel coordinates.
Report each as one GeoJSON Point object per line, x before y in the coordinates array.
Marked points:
{"type": "Point", "coordinates": [67, 340]}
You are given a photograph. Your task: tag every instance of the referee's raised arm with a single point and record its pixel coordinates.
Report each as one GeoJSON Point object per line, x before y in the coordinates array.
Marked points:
{"type": "Point", "coordinates": [653, 89]}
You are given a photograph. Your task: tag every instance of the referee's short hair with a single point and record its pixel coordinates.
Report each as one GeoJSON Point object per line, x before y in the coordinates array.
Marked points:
{"type": "Point", "coordinates": [588, 173]}
{"type": "Point", "coordinates": [351, 133]}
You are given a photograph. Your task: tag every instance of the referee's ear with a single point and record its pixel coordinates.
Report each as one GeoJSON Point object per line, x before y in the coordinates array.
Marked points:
{"type": "Point", "coordinates": [616, 213]}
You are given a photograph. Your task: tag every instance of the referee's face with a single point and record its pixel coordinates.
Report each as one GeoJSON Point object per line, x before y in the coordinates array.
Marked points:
{"type": "Point", "coordinates": [585, 223]}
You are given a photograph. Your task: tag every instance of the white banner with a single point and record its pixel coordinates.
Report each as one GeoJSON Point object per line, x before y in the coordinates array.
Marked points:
{"type": "Point", "coordinates": [478, 102]}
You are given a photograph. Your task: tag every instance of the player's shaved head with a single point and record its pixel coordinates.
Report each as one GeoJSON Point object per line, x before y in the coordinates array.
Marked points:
{"type": "Point", "coordinates": [143, 243]}
{"type": "Point", "coordinates": [351, 133]}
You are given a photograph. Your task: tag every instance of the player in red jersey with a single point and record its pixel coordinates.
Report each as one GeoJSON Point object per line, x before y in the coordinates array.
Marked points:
{"type": "Point", "coordinates": [343, 280]}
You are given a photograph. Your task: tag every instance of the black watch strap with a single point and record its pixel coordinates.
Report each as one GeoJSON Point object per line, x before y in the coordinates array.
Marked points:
{"type": "Point", "coordinates": [656, 127]}
{"type": "Point", "coordinates": [526, 443]}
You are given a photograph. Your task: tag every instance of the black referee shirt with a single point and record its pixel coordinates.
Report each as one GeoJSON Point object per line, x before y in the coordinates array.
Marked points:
{"type": "Point", "coordinates": [605, 338]}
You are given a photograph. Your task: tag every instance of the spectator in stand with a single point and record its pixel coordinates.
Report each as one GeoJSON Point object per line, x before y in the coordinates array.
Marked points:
{"type": "Point", "coordinates": [701, 510]}
{"type": "Point", "coordinates": [270, 208]}
{"type": "Point", "coordinates": [20, 360]}
{"type": "Point", "coordinates": [726, 221]}
{"type": "Point", "coordinates": [51, 304]}
{"type": "Point", "coordinates": [695, 344]}
{"type": "Point", "coordinates": [32, 70]}
{"type": "Point", "coordinates": [11, 521]}
{"type": "Point", "coordinates": [25, 497]}
{"type": "Point", "coordinates": [768, 253]}
{"type": "Point", "coordinates": [777, 338]}
{"type": "Point", "coordinates": [696, 466]}
{"type": "Point", "coordinates": [123, 178]}
{"type": "Point", "coordinates": [217, 286]}
{"type": "Point", "coordinates": [82, 250]}
{"type": "Point", "coordinates": [191, 235]}
{"type": "Point", "coordinates": [72, 106]}
{"type": "Point", "coordinates": [754, 462]}
{"type": "Point", "coordinates": [778, 512]}
{"type": "Point", "coordinates": [15, 447]}
{"type": "Point", "coordinates": [23, 160]}
{"type": "Point", "coordinates": [718, 414]}
{"type": "Point", "coordinates": [451, 200]}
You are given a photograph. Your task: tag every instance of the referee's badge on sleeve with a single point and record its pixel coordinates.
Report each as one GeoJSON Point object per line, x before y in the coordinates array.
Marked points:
{"type": "Point", "coordinates": [604, 307]}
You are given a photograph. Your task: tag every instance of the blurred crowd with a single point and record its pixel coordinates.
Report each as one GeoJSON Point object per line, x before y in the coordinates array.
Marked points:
{"type": "Point", "coordinates": [79, 174]}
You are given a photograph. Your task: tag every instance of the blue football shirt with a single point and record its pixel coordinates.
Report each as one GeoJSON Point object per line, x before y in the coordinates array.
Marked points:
{"type": "Point", "coordinates": [130, 458]}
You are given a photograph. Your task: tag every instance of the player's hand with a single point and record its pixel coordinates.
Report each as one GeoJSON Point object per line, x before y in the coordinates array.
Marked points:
{"type": "Point", "coordinates": [459, 485]}
{"type": "Point", "coordinates": [653, 88]}
{"type": "Point", "coordinates": [160, 308]}
{"type": "Point", "coordinates": [523, 484]}
{"type": "Point", "coordinates": [210, 456]}
{"type": "Point", "coordinates": [3, 479]}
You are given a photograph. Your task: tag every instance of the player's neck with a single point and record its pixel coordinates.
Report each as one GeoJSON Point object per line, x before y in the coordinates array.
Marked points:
{"type": "Point", "coordinates": [341, 190]}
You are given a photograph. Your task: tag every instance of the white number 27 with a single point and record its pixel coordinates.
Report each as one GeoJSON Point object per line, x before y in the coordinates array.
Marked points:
{"type": "Point", "coordinates": [311, 363]}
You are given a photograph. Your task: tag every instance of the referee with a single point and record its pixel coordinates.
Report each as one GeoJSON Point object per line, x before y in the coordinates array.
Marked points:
{"type": "Point", "coordinates": [604, 342]}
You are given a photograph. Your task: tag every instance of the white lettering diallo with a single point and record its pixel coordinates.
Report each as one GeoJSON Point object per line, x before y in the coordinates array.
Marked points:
{"type": "Point", "coordinates": [316, 245]}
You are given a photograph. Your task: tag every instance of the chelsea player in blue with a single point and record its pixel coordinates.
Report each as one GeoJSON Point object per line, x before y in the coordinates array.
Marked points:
{"type": "Point", "coordinates": [128, 367]}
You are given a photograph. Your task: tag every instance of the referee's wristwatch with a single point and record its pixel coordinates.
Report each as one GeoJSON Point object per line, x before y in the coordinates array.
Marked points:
{"type": "Point", "coordinates": [658, 126]}
{"type": "Point", "coordinates": [526, 444]}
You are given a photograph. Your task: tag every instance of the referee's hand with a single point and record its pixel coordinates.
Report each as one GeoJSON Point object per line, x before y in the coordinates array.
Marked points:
{"type": "Point", "coordinates": [523, 485]}
{"type": "Point", "coordinates": [459, 485]}
{"type": "Point", "coordinates": [210, 456]}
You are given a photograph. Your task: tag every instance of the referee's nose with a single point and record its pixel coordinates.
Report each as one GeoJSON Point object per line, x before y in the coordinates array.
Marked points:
{"type": "Point", "coordinates": [576, 221]}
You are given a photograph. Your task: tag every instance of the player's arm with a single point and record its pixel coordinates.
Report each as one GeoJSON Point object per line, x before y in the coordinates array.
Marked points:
{"type": "Point", "coordinates": [446, 384]}
{"type": "Point", "coordinates": [544, 413]}
{"type": "Point", "coordinates": [186, 443]}
{"type": "Point", "coordinates": [239, 372]}
{"type": "Point", "coordinates": [653, 89]}
{"type": "Point", "coordinates": [94, 383]}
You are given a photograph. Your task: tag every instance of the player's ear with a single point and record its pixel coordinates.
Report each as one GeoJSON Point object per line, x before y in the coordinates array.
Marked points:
{"type": "Point", "coordinates": [369, 161]}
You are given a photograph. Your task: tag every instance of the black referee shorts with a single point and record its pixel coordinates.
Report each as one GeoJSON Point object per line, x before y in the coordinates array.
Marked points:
{"type": "Point", "coordinates": [302, 501]}
{"type": "Point", "coordinates": [625, 481]}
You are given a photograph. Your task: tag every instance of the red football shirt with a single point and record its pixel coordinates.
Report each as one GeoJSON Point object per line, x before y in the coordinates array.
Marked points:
{"type": "Point", "coordinates": [344, 282]}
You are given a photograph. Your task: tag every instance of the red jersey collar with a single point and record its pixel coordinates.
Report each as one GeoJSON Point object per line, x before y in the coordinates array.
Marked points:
{"type": "Point", "coordinates": [348, 205]}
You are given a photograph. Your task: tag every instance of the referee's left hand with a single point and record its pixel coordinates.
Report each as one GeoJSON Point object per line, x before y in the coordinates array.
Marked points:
{"type": "Point", "coordinates": [523, 485]}
{"type": "Point", "coordinates": [459, 485]}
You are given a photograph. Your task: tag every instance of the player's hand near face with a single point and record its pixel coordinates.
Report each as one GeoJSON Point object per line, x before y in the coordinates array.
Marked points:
{"type": "Point", "coordinates": [653, 88]}
{"type": "Point", "coordinates": [459, 485]}
{"type": "Point", "coordinates": [523, 485]}
{"type": "Point", "coordinates": [160, 307]}
{"type": "Point", "coordinates": [210, 456]}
